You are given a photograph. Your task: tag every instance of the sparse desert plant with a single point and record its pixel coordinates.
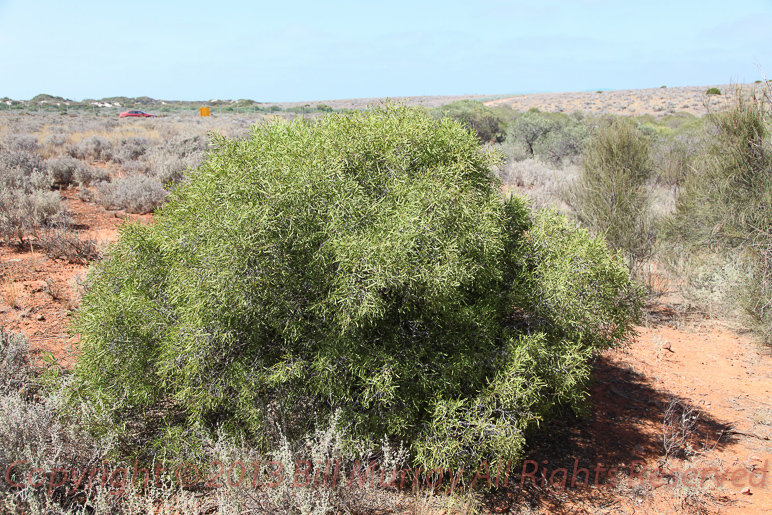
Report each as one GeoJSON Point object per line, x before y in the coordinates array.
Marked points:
{"type": "Point", "coordinates": [528, 128]}
{"type": "Point", "coordinates": [135, 194]}
{"type": "Point", "coordinates": [713, 91]}
{"type": "Point", "coordinates": [679, 424]}
{"type": "Point", "coordinates": [612, 195]}
{"type": "Point", "coordinates": [59, 240]}
{"type": "Point", "coordinates": [21, 212]}
{"type": "Point", "coordinates": [366, 265]}
{"type": "Point", "coordinates": [93, 148]}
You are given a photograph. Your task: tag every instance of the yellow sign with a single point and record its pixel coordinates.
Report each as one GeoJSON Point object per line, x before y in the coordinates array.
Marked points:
{"type": "Point", "coordinates": [204, 111]}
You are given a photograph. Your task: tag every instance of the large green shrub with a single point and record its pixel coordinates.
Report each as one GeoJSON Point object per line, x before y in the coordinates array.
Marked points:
{"type": "Point", "coordinates": [365, 265]}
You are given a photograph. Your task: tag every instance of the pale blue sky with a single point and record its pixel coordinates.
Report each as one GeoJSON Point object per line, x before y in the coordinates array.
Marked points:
{"type": "Point", "coordinates": [288, 50]}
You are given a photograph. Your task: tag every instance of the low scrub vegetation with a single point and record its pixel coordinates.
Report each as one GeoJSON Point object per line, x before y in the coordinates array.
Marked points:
{"type": "Point", "coordinates": [722, 218]}
{"type": "Point", "coordinates": [26, 200]}
{"type": "Point", "coordinates": [38, 429]}
{"type": "Point", "coordinates": [134, 194]}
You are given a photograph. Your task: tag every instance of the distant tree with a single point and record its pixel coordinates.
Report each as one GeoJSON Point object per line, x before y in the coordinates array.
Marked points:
{"type": "Point", "coordinates": [477, 117]}
{"type": "Point", "coordinates": [528, 128]}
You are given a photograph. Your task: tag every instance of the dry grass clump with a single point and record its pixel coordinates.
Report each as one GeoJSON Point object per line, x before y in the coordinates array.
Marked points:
{"type": "Point", "coordinates": [10, 291]}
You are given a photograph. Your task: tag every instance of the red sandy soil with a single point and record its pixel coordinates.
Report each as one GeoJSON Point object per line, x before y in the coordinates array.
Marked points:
{"type": "Point", "coordinates": [725, 378]}
{"type": "Point", "coordinates": [43, 287]}
{"type": "Point", "coordinates": [722, 375]}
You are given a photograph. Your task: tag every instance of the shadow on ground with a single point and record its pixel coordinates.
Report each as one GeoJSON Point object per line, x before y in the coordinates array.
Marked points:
{"type": "Point", "coordinates": [625, 426]}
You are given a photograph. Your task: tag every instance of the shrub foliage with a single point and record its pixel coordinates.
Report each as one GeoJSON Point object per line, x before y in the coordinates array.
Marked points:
{"type": "Point", "coordinates": [613, 196]}
{"type": "Point", "coordinates": [723, 209]}
{"type": "Point", "coordinates": [365, 265]}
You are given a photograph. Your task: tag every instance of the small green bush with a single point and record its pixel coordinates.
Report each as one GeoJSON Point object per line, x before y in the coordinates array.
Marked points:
{"type": "Point", "coordinates": [612, 195]}
{"type": "Point", "coordinates": [713, 91]}
{"type": "Point", "coordinates": [365, 265]}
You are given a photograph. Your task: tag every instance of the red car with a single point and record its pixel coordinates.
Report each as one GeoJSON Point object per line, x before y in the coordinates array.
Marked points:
{"type": "Point", "coordinates": [135, 114]}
